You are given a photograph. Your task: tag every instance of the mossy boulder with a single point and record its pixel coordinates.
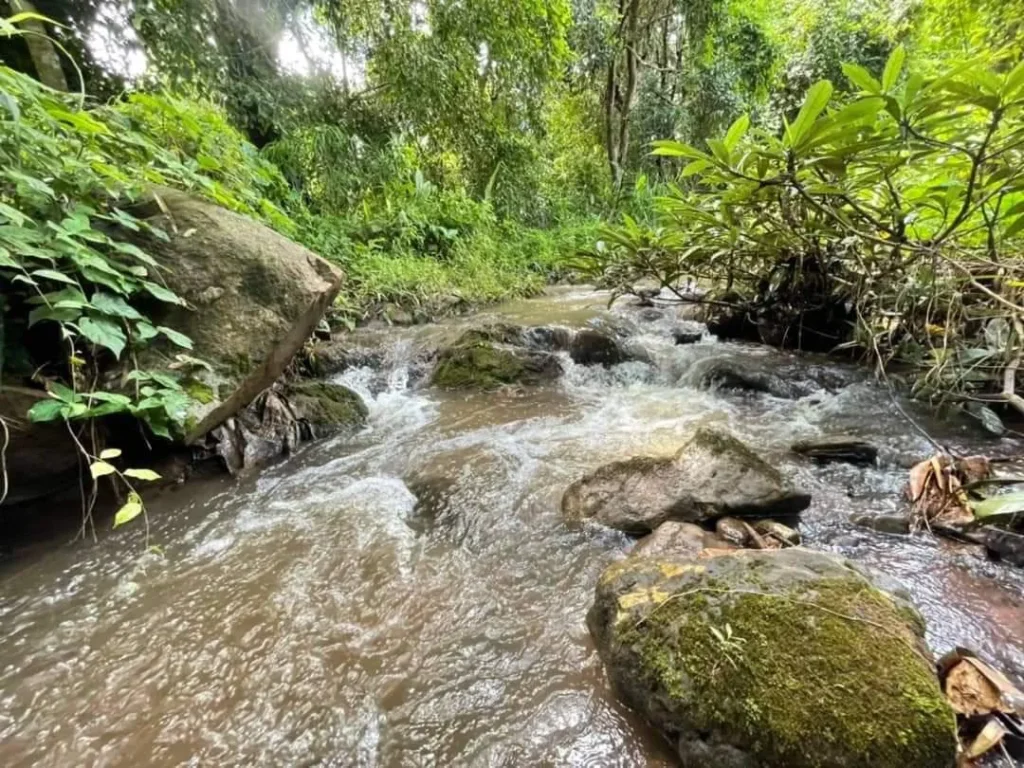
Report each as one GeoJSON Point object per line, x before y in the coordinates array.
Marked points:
{"type": "Point", "coordinates": [477, 362]}
{"type": "Point", "coordinates": [327, 407]}
{"type": "Point", "coordinates": [713, 475]}
{"type": "Point", "coordinates": [768, 659]}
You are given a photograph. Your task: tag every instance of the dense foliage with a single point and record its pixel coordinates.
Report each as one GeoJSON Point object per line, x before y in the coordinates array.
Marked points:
{"type": "Point", "coordinates": [448, 154]}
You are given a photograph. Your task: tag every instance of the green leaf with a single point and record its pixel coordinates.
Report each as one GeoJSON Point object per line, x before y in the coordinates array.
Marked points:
{"type": "Point", "coordinates": [736, 132]}
{"type": "Point", "coordinates": [144, 331]}
{"type": "Point", "coordinates": [115, 306]}
{"type": "Point", "coordinates": [100, 469]}
{"type": "Point", "coordinates": [50, 274]}
{"type": "Point", "coordinates": [1003, 508]}
{"type": "Point", "coordinates": [142, 474]}
{"type": "Point", "coordinates": [1014, 81]}
{"type": "Point", "coordinates": [861, 78]}
{"type": "Point", "coordinates": [62, 392]}
{"type": "Point", "coordinates": [695, 167]}
{"type": "Point", "coordinates": [178, 338]}
{"type": "Point", "coordinates": [131, 509]}
{"type": "Point", "coordinates": [1016, 226]}
{"type": "Point", "coordinates": [110, 453]}
{"type": "Point", "coordinates": [103, 333]}
{"type": "Point", "coordinates": [817, 99]}
{"type": "Point", "coordinates": [893, 68]}
{"type": "Point", "coordinates": [669, 148]}
{"type": "Point", "coordinates": [163, 294]}
{"type": "Point", "coordinates": [45, 410]}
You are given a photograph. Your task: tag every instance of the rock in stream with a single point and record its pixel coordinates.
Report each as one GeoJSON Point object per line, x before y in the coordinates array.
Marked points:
{"type": "Point", "coordinates": [712, 475]}
{"type": "Point", "coordinates": [790, 658]}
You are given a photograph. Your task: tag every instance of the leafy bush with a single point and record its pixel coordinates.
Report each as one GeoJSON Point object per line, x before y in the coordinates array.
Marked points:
{"type": "Point", "coordinates": [907, 201]}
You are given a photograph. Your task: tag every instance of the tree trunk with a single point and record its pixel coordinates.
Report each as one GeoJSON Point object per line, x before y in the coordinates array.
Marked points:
{"type": "Point", "coordinates": [45, 57]}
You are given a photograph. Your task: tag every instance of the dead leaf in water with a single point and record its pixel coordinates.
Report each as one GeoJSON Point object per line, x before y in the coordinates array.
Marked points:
{"type": "Point", "coordinates": [991, 736]}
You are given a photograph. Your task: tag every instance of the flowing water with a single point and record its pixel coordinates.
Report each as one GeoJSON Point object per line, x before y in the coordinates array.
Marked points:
{"type": "Point", "coordinates": [411, 596]}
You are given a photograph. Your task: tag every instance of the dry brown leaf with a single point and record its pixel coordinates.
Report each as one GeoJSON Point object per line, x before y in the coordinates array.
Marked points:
{"type": "Point", "coordinates": [970, 692]}
{"type": "Point", "coordinates": [919, 476]}
{"type": "Point", "coordinates": [1011, 700]}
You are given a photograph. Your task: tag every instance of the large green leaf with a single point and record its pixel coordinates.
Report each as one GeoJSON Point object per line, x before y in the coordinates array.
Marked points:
{"type": "Point", "coordinates": [1003, 509]}
{"type": "Point", "coordinates": [103, 333]}
{"type": "Point", "coordinates": [114, 306]}
{"type": "Point", "coordinates": [860, 77]}
{"type": "Point", "coordinates": [893, 68]}
{"type": "Point", "coordinates": [814, 104]}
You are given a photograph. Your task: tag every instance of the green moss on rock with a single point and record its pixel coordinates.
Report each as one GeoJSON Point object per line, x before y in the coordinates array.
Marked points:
{"type": "Point", "coordinates": [792, 658]}
{"type": "Point", "coordinates": [477, 364]}
{"type": "Point", "coordinates": [327, 406]}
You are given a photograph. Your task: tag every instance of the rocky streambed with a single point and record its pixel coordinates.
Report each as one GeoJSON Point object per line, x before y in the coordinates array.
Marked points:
{"type": "Point", "coordinates": [422, 590]}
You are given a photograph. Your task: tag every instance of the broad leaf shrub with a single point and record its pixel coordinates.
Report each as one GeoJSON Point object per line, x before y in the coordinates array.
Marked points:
{"type": "Point", "coordinates": [907, 199]}
{"type": "Point", "coordinates": [68, 176]}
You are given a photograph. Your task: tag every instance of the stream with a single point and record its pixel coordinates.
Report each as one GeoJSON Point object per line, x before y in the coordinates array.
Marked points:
{"type": "Point", "coordinates": [411, 596]}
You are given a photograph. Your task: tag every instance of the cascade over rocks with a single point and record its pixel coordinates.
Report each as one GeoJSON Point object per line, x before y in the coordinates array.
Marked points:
{"type": "Point", "coordinates": [254, 298]}
{"type": "Point", "coordinates": [713, 475]}
{"type": "Point", "coordinates": [742, 374]}
{"type": "Point", "coordinates": [767, 659]}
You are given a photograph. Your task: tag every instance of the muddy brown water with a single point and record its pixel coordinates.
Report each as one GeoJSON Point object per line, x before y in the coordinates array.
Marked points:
{"type": "Point", "coordinates": [317, 614]}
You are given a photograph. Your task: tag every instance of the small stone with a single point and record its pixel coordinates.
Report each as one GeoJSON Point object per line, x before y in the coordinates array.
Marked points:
{"type": "Point", "coordinates": [895, 523]}
{"type": "Point", "coordinates": [825, 450]}
{"type": "Point", "coordinates": [732, 531]}
{"type": "Point", "coordinates": [687, 335]}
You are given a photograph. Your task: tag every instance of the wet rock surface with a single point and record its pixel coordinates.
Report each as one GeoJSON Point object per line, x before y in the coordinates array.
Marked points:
{"type": "Point", "coordinates": [761, 659]}
{"type": "Point", "coordinates": [477, 362]}
{"type": "Point", "coordinates": [825, 450]}
{"type": "Point", "coordinates": [713, 475]}
{"type": "Point", "coordinates": [744, 374]}
{"type": "Point", "coordinates": [595, 347]}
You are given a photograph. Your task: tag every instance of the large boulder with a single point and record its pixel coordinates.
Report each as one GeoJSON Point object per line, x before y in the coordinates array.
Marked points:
{"type": "Point", "coordinates": [254, 297]}
{"type": "Point", "coordinates": [713, 475]}
{"type": "Point", "coordinates": [478, 361]}
{"type": "Point", "coordinates": [768, 659]}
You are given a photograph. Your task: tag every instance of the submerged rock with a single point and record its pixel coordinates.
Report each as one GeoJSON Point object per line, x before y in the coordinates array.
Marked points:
{"type": "Point", "coordinates": [825, 450]}
{"type": "Point", "coordinates": [768, 659]}
{"type": "Point", "coordinates": [895, 522]}
{"type": "Point", "coordinates": [687, 334]}
{"type": "Point", "coordinates": [485, 366]}
{"type": "Point", "coordinates": [713, 475]}
{"type": "Point", "coordinates": [593, 347]}
{"type": "Point", "coordinates": [730, 373]}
